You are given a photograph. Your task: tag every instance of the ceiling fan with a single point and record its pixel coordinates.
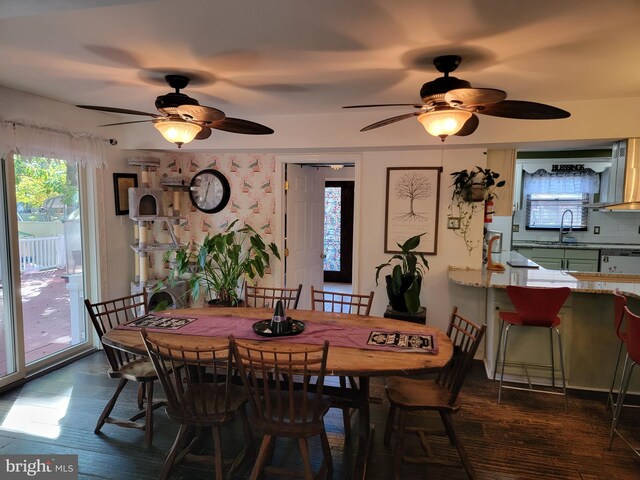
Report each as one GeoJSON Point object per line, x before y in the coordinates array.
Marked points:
{"type": "Point", "coordinates": [182, 119]}
{"type": "Point", "coordinates": [450, 104]}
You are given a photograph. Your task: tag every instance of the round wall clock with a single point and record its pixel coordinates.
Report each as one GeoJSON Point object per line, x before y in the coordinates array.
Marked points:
{"type": "Point", "coordinates": [209, 191]}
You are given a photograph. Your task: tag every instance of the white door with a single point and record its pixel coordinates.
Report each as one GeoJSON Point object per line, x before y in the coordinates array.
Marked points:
{"type": "Point", "coordinates": [305, 230]}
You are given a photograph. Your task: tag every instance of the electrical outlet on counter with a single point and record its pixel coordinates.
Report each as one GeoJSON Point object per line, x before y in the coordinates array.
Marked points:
{"type": "Point", "coordinates": [596, 230]}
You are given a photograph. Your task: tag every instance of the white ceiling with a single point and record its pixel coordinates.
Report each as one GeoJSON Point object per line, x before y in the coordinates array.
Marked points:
{"type": "Point", "coordinates": [259, 59]}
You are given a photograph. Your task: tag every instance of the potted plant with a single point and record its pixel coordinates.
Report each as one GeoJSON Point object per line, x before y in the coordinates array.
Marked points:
{"type": "Point", "coordinates": [405, 280]}
{"type": "Point", "coordinates": [216, 268]}
{"type": "Point", "coordinates": [471, 190]}
{"type": "Point", "coordinates": [476, 185]}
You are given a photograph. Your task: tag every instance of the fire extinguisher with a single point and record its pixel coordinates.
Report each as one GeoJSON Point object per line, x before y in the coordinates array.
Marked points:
{"type": "Point", "coordinates": [488, 211]}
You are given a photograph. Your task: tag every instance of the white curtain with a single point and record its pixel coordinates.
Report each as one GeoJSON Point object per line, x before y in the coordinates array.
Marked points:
{"type": "Point", "coordinates": [39, 141]}
{"type": "Point", "coordinates": [584, 181]}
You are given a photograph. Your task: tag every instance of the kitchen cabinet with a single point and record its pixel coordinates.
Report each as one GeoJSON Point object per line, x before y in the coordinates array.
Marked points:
{"type": "Point", "coordinates": [578, 260]}
{"type": "Point", "coordinates": [503, 162]}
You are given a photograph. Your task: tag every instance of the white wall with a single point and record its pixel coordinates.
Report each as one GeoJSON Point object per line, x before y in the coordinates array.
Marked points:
{"type": "Point", "coordinates": [451, 249]}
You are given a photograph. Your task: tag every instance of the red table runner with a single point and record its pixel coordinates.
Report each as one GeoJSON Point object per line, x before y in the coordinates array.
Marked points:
{"type": "Point", "coordinates": [314, 332]}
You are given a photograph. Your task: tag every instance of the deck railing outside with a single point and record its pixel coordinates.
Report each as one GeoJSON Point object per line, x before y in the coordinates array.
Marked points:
{"type": "Point", "coordinates": [41, 253]}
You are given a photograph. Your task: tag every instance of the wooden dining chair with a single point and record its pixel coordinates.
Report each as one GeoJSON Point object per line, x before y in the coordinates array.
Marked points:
{"type": "Point", "coordinates": [437, 395]}
{"type": "Point", "coordinates": [199, 395]}
{"type": "Point", "coordinates": [255, 296]}
{"type": "Point", "coordinates": [327, 301]}
{"type": "Point", "coordinates": [290, 407]}
{"type": "Point", "coordinates": [125, 366]}
{"type": "Point", "coordinates": [358, 304]}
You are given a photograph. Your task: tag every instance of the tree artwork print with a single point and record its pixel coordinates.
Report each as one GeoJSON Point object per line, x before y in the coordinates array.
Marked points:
{"type": "Point", "coordinates": [412, 207]}
{"type": "Point", "coordinates": [412, 186]}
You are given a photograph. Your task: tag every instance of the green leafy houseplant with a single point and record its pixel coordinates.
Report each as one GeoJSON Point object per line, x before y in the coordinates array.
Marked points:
{"type": "Point", "coordinates": [216, 267]}
{"type": "Point", "coordinates": [405, 280]}
{"type": "Point", "coordinates": [471, 189]}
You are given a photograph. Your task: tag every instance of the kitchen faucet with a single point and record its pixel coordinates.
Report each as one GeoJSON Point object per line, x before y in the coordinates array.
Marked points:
{"type": "Point", "coordinates": [562, 232]}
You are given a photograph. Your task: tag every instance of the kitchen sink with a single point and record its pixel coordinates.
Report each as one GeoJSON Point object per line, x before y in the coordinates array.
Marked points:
{"type": "Point", "coordinates": [605, 277]}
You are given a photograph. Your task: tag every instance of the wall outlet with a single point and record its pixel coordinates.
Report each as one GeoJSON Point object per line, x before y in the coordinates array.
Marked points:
{"type": "Point", "coordinates": [596, 230]}
{"type": "Point", "coordinates": [453, 223]}
{"type": "Point", "coordinates": [515, 228]}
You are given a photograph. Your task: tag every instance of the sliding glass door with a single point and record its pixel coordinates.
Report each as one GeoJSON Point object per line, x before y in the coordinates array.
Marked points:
{"type": "Point", "coordinates": [42, 273]}
{"type": "Point", "coordinates": [8, 341]}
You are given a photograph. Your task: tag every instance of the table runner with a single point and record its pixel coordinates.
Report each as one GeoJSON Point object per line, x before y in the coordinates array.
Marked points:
{"type": "Point", "coordinates": [314, 333]}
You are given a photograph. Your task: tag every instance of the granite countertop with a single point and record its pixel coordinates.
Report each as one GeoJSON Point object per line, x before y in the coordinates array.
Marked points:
{"type": "Point", "coordinates": [541, 277]}
{"type": "Point", "coordinates": [573, 245]}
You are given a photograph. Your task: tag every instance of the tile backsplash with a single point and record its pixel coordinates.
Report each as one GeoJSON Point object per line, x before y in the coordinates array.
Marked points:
{"type": "Point", "coordinates": [615, 227]}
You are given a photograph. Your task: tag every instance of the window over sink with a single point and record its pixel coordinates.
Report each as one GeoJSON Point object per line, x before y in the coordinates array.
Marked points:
{"type": "Point", "coordinates": [549, 194]}
{"type": "Point", "coordinates": [545, 188]}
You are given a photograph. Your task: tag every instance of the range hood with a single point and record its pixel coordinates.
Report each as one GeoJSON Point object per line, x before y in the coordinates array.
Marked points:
{"type": "Point", "coordinates": [625, 178]}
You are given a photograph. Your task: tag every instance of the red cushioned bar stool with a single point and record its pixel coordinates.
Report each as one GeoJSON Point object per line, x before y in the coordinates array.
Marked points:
{"type": "Point", "coordinates": [620, 301]}
{"type": "Point", "coordinates": [535, 307]}
{"type": "Point", "coordinates": [632, 359]}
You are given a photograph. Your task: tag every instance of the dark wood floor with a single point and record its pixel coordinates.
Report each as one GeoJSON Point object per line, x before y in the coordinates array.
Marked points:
{"type": "Point", "coordinates": [527, 437]}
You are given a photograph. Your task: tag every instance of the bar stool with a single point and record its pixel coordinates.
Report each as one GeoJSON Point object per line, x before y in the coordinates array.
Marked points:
{"type": "Point", "coordinates": [631, 360]}
{"type": "Point", "coordinates": [620, 301]}
{"type": "Point", "coordinates": [535, 307]}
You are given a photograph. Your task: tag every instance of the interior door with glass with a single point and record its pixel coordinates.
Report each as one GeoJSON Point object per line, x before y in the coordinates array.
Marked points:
{"type": "Point", "coordinates": [338, 231]}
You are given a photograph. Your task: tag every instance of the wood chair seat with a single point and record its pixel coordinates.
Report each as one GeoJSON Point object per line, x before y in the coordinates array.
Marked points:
{"type": "Point", "coordinates": [204, 404]}
{"type": "Point", "coordinates": [298, 424]}
{"type": "Point", "coordinates": [140, 370]}
{"type": "Point", "coordinates": [414, 394]}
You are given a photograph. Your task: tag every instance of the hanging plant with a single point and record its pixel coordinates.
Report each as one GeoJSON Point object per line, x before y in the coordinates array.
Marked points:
{"type": "Point", "coordinates": [471, 189]}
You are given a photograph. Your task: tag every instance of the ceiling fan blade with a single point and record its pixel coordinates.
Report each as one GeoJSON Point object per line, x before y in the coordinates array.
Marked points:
{"type": "Point", "coordinates": [469, 126]}
{"type": "Point", "coordinates": [203, 134]}
{"type": "Point", "coordinates": [388, 121]}
{"type": "Point", "coordinates": [523, 110]}
{"type": "Point", "coordinates": [469, 97]}
{"type": "Point", "coordinates": [415, 105]}
{"type": "Point", "coordinates": [118, 110]}
{"type": "Point", "coordinates": [237, 125]}
{"type": "Point", "coordinates": [125, 123]}
{"type": "Point", "coordinates": [200, 113]}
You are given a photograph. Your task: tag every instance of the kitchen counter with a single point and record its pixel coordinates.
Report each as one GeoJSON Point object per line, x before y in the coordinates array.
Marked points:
{"type": "Point", "coordinates": [541, 277]}
{"type": "Point", "coordinates": [588, 335]}
{"type": "Point", "coordinates": [573, 245]}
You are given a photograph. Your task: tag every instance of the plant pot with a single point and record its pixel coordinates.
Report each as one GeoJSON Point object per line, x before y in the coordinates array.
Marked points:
{"type": "Point", "coordinates": [474, 194]}
{"type": "Point", "coordinates": [397, 301]}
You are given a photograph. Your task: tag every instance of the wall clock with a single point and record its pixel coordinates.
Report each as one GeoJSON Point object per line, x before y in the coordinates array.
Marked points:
{"type": "Point", "coordinates": [209, 191]}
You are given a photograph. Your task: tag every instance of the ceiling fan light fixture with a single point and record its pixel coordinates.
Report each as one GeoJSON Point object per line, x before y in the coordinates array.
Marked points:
{"type": "Point", "coordinates": [442, 123]}
{"type": "Point", "coordinates": [177, 131]}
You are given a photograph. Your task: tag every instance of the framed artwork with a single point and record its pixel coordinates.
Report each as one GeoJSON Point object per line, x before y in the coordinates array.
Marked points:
{"type": "Point", "coordinates": [412, 207]}
{"type": "Point", "coordinates": [121, 184]}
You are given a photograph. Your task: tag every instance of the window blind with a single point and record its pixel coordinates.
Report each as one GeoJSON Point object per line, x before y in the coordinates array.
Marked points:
{"type": "Point", "coordinates": [544, 210]}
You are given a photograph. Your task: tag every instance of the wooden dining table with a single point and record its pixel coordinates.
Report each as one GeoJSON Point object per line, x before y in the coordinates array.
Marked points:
{"type": "Point", "coordinates": [362, 361]}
